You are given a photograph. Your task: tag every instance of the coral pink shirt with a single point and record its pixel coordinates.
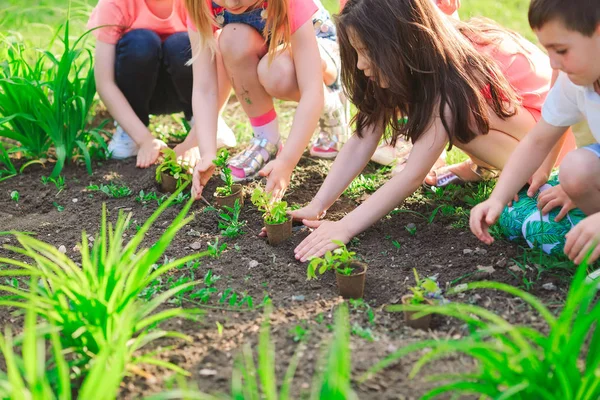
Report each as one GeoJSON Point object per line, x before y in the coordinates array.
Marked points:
{"type": "Point", "coordinates": [300, 12]}
{"type": "Point", "coordinates": [127, 15]}
{"type": "Point", "coordinates": [526, 68]}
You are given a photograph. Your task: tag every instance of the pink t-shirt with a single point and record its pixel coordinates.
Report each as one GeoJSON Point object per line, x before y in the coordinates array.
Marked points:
{"type": "Point", "coordinates": [300, 12]}
{"type": "Point", "coordinates": [127, 15]}
{"type": "Point", "coordinates": [526, 68]}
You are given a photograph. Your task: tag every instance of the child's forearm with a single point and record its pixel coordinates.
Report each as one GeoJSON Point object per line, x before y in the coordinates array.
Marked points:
{"type": "Point", "coordinates": [204, 106]}
{"type": "Point", "coordinates": [384, 200]}
{"type": "Point", "coordinates": [305, 119]}
{"type": "Point", "coordinates": [552, 157]}
{"type": "Point", "coordinates": [120, 109]}
{"type": "Point", "coordinates": [526, 159]}
{"type": "Point", "coordinates": [350, 161]}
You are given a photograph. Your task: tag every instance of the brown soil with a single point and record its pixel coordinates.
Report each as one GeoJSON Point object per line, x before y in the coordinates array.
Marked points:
{"type": "Point", "coordinates": [251, 265]}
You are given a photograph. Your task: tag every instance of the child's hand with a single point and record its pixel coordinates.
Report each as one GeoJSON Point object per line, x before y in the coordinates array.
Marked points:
{"type": "Point", "coordinates": [278, 175]}
{"type": "Point", "coordinates": [319, 241]}
{"type": "Point", "coordinates": [190, 156]}
{"type": "Point", "coordinates": [202, 173]}
{"type": "Point", "coordinates": [149, 152]}
{"type": "Point", "coordinates": [537, 180]}
{"type": "Point", "coordinates": [483, 216]}
{"type": "Point", "coordinates": [313, 211]}
{"type": "Point", "coordinates": [555, 197]}
{"type": "Point", "coordinates": [584, 237]}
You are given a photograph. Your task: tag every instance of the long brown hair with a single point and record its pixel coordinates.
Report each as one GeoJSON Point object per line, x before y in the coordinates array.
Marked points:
{"type": "Point", "coordinates": [431, 69]}
{"type": "Point", "coordinates": [277, 26]}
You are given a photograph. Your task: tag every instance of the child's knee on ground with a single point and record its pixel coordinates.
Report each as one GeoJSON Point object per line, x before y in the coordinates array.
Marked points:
{"type": "Point", "coordinates": [580, 178]}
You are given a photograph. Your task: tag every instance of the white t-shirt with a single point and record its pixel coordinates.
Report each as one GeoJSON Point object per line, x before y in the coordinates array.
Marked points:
{"type": "Point", "coordinates": [568, 104]}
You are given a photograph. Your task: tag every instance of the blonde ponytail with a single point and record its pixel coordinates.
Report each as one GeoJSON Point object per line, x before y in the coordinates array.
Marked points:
{"type": "Point", "coordinates": [203, 20]}
{"type": "Point", "coordinates": [277, 26]}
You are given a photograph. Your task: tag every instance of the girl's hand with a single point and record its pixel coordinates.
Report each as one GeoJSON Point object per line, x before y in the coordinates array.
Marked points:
{"type": "Point", "coordinates": [312, 212]}
{"type": "Point", "coordinates": [482, 217]}
{"type": "Point", "coordinates": [149, 152]}
{"type": "Point", "coordinates": [202, 173]}
{"type": "Point", "coordinates": [319, 241]}
{"type": "Point", "coordinates": [190, 155]}
{"type": "Point", "coordinates": [278, 175]}
{"type": "Point", "coordinates": [555, 197]}
{"type": "Point", "coordinates": [584, 237]}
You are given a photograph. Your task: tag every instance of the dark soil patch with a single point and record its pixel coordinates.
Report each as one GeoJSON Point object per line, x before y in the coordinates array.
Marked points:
{"type": "Point", "coordinates": [251, 266]}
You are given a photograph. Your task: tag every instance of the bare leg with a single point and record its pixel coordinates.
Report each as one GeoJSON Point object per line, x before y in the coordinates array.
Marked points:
{"type": "Point", "coordinates": [580, 178]}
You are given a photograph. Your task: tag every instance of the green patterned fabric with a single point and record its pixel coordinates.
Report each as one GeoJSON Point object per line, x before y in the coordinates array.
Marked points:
{"type": "Point", "coordinates": [523, 221]}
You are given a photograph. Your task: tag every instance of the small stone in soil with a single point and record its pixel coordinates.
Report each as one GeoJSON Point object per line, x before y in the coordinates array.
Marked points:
{"type": "Point", "coordinates": [196, 245]}
{"type": "Point", "coordinates": [480, 252]}
{"type": "Point", "coordinates": [488, 270]}
{"type": "Point", "coordinates": [411, 226]}
{"type": "Point", "coordinates": [194, 233]}
{"type": "Point", "coordinates": [75, 200]}
{"type": "Point", "coordinates": [62, 249]}
{"type": "Point", "coordinates": [549, 286]}
{"type": "Point", "coordinates": [252, 264]}
{"type": "Point", "coordinates": [298, 297]}
{"type": "Point", "coordinates": [467, 252]}
{"type": "Point", "coordinates": [207, 372]}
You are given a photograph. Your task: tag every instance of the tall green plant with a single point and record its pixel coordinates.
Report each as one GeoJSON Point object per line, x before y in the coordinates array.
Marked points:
{"type": "Point", "coordinates": [34, 375]}
{"type": "Point", "coordinates": [515, 361]}
{"type": "Point", "coordinates": [48, 102]}
{"type": "Point", "coordinates": [89, 301]}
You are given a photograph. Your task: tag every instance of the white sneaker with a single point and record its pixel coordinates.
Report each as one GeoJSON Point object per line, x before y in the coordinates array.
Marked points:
{"type": "Point", "coordinates": [122, 146]}
{"type": "Point", "coordinates": [225, 136]}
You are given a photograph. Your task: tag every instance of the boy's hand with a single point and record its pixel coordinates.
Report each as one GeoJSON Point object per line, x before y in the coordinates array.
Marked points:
{"type": "Point", "coordinates": [278, 175]}
{"type": "Point", "coordinates": [537, 180]}
{"type": "Point", "coordinates": [555, 197]}
{"type": "Point", "coordinates": [202, 173]}
{"type": "Point", "coordinates": [149, 152]}
{"type": "Point", "coordinates": [483, 216]}
{"type": "Point", "coordinates": [320, 240]}
{"type": "Point", "coordinates": [584, 237]}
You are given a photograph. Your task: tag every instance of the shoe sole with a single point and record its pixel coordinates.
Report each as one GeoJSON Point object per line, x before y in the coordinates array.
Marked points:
{"type": "Point", "coordinates": [324, 155]}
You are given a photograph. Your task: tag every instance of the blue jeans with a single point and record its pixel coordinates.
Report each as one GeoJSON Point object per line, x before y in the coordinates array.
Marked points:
{"type": "Point", "coordinates": [152, 74]}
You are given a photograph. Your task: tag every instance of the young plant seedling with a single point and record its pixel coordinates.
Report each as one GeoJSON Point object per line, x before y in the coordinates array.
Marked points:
{"type": "Point", "coordinates": [221, 162]}
{"type": "Point", "coordinates": [275, 214]}
{"type": "Point", "coordinates": [14, 196]}
{"type": "Point", "coordinates": [174, 168]}
{"type": "Point", "coordinates": [111, 190]}
{"type": "Point", "coordinates": [426, 288]}
{"type": "Point", "coordinates": [230, 225]}
{"type": "Point", "coordinates": [338, 260]}
{"type": "Point", "coordinates": [59, 182]}
{"type": "Point", "coordinates": [214, 250]}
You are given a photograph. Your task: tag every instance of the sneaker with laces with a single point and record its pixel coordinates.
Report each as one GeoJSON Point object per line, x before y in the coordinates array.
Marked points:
{"type": "Point", "coordinates": [122, 146]}
{"type": "Point", "coordinates": [333, 131]}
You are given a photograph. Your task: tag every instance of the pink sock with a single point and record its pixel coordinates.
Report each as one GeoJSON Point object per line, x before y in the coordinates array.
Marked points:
{"type": "Point", "coordinates": [264, 126]}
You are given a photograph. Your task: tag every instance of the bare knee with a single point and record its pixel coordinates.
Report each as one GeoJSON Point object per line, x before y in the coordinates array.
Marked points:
{"type": "Point", "coordinates": [238, 42]}
{"type": "Point", "coordinates": [577, 174]}
{"type": "Point", "coordinates": [279, 78]}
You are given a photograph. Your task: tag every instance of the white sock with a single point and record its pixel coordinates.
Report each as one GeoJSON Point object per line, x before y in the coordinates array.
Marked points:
{"type": "Point", "coordinates": [269, 131]}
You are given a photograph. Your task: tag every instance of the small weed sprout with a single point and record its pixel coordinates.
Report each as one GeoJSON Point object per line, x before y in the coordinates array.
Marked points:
{"type": "Point", "coordinates": [14, 196]}
{"type": "Point", "coordinates": [274, 212]}
{"type": "Point", "coordinates": [59, 182]}
{"type": "Point", "coordinates": [214, 250]}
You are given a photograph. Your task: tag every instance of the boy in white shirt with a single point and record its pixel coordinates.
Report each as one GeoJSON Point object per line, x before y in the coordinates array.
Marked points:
{"type": "Point", "coordinates": [570, 31]}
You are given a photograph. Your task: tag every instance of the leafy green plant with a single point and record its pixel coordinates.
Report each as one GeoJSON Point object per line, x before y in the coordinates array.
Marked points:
{"type": "Point", "coordinates": [14, 196]}
{"type": "Point", "coordinates": [230, 225]}
{"type": "Point", "coordinates": [426, 288]}
{"type": "Point", "coordinates": [299, 333]}
{"type": "Point", "coordinates": [31, 376]}
{"type": "Point", "coordinates": [214, 250]}
{"type": "Point", "coordinates": [88, 300]}
{"type": "Point", "coordinates": [274, 212]}
{"type": "Point", "coordinates": [338, 260]}
{"type": "Point", "coordinates": [9, 169]}
{"type": "Point", "coordinates": [518, 362]}
{"type": "Point", "coordinates": [47, 103]}
{"type": "Point", "coordinates": [179, 170]}
{"type": "Point", "coordinates": [221, 162]}
{"type": "Point", "coordinates": [58, 207]}
{"type": "Point", "coordinates": [111, 190]}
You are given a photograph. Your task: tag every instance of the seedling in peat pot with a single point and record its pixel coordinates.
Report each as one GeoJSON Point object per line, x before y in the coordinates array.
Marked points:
{"type": "Point", "coordinates": [277, 221]}
{"type": "Point", "coordinates": [425, 291]}
{"type": "Point", "coordinates": [350, 273]}
{"type": "Point", "coordinates": [227, 194]}
{"type": "Point", "coordinates": [172, 173]}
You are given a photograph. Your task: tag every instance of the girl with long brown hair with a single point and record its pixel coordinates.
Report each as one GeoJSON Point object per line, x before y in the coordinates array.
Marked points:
{"type": "Point", "coordinates": [472, 85]}
{"type": "Point", "coordinates": [283, 49]}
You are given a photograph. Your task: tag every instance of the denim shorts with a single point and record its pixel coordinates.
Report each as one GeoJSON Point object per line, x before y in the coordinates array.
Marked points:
{"type": "Point", "coordinates": [594, 148]}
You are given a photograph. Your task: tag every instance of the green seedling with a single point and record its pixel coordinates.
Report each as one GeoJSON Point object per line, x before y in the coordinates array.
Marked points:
{"type": "Point", "coordinates": [59, 182]}
{"type": "Point", "coordinates": [214, 250]}
{"type": "Point", "coordinates": [364, 333]}
{"type": "Point", "coordinates": [426, 288]}
{"type": "Point", "coordinates": [230, 225]}
{"type": "Point", "coordinates": [274, 212]}
{"type": "Point", "coordinates": [14, 196]}
{"type": "Point", "coordinates": [111, 190]}
{"type": "Point", "coordinates": [170, 165]}
{"type": "Point", "coordinates": [58, 207]}
{"type": "Point", "coordinates": [411, 228]}
{"type": "Point", "coordinates": [299, 333]}
{"type": "Point", "coordinates": [338, 260]}
{"type": "Point", "coordinates": [221, 162]}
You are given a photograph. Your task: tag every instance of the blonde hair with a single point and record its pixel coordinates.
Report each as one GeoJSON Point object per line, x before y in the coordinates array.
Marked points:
{"type": "Point", "coordinates": [277, 26]}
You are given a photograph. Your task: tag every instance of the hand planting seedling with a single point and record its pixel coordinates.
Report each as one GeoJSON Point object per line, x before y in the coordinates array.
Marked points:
{"type": "Point", "coordinates": [275, 215]}
{"type": "Point", "coordinates": [350, 273]}
{"type": "Point", "coordinates": [172, 173]}
{"type": "Point", "coordinates": [230, 225]}
{"type": "Point", "coordinates": [425, 291]}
